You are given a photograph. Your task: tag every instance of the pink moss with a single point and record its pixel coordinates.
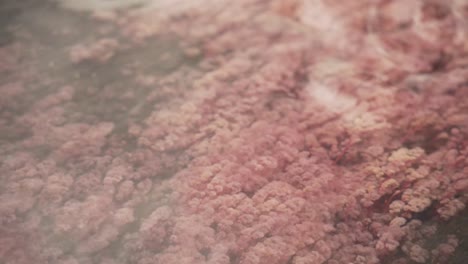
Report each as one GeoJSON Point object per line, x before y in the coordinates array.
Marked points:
{"type": "Point", "coordinates": [275, 144]}
{"type": "Point", "coordinates": [101, 51]}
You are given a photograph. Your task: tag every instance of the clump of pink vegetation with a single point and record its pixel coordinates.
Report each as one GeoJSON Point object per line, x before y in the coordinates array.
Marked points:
{"type": "Point", "coordinates": [101, 51]}
{"type": "Point", "coordinates": [278, 145]}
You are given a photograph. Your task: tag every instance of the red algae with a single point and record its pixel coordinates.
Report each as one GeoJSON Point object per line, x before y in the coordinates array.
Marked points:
{"type": "Point", "coordinates": [292, 132]}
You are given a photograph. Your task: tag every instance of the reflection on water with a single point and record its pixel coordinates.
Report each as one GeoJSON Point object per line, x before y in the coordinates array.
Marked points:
{"type": "Point", "coordinates": [242, 131]}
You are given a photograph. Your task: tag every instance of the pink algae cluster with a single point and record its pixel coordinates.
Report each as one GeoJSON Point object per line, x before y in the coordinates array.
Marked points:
{"type": "Point", "coordinates": [275, 144]}
{"type": "Point", "coordinates": [101, 51]}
